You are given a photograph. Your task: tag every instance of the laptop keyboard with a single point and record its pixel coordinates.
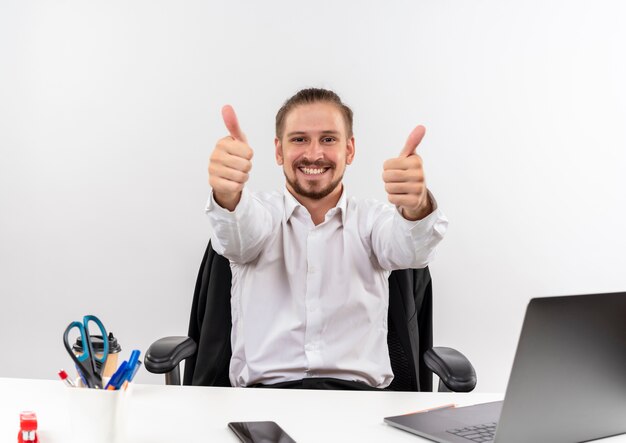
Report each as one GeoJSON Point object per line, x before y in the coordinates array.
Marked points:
{"type": "Point", "coordinates": [480, 433]}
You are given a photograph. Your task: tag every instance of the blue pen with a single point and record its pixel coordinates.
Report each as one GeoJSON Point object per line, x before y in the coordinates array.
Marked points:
{"type": "Point", "coordinates": [118, 378]}
{"type": "Point", "coordinates": [132, 361]}
{"type": "Point", "coordinates": [131, 368]}
{"type": "Point", "coordinates": [137, 366]}
{"type": "Point", "coordinates": [82, 377]}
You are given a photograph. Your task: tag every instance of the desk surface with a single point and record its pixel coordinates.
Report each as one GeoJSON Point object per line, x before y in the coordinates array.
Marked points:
{"type": "Point", "coordinates": [175, 414]}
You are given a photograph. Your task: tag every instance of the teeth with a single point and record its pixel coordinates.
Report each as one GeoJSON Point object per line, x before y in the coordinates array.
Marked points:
{"type": "Point", "coordinates": [312, 171]}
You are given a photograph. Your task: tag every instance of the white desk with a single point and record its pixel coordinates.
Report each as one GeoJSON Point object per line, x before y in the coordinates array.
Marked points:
{"type": "Point", "coordinates": [176, 414]}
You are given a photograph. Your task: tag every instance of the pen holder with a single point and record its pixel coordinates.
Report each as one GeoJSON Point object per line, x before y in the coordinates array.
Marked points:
{"type": "Point", "coordinates": [98, 415]}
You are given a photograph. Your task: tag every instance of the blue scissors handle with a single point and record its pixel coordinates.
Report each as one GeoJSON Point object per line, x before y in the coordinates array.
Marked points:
{"type": "Point", "coordinates": [105, 340]}
{"type": "Point", "coordinates": [86, 362]}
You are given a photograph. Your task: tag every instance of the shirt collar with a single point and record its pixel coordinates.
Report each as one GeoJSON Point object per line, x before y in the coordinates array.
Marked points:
{"type": "Point", "coordinates": [291, 204]}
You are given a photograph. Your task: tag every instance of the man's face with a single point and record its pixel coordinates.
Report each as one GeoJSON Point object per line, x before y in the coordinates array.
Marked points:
{"type": "Point", "coordinates": [314, 149]}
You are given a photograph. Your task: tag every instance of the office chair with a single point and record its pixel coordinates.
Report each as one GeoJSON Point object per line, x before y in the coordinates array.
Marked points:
{"type": "Point", "coordinates": [207, 351]}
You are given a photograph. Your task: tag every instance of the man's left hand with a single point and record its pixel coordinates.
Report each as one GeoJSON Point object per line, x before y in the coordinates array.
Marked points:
{"type": "Point", "coordinates": [404, 179]}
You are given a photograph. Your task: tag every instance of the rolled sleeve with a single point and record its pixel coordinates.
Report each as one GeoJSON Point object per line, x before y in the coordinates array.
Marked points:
{"type": "Point", "coordinates": [239, 234]}
{"type": "Point", "coordinates": [434, 225]}
{"type": "Point", "coordinates": [410, 244]}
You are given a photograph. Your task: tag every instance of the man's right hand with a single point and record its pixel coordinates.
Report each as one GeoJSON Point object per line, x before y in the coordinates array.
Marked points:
{"type": "Point", "coordinates": [230, 163]}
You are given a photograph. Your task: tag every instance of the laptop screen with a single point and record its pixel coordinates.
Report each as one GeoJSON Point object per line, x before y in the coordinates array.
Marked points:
{"type": "Point", "coordinates": [568, 381]}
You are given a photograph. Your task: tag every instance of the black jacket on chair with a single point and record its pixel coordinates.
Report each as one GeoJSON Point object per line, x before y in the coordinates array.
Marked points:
{"type": "Point", "coordinates": [409, 326]}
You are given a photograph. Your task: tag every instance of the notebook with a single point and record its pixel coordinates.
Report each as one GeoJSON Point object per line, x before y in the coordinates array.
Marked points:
{"type": "Point", "coordinates": [567, 383]}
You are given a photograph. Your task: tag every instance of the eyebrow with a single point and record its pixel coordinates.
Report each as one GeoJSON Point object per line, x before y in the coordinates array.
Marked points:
{"type": "Point", "coordinates": [327, 132]}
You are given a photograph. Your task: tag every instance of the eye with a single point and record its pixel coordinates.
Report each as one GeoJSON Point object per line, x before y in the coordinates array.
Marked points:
{"type": "Point", "coordinates": [328, 140]}
{"type": "Point", "coordinates": [298, 140]}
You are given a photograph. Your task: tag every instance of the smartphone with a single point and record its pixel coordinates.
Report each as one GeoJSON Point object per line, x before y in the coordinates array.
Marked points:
{"type": "Point", "coordinates": [260, 432]}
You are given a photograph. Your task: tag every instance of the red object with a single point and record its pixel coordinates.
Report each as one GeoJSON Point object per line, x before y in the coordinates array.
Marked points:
{"type": "Point", "coordinates": [28, 428]}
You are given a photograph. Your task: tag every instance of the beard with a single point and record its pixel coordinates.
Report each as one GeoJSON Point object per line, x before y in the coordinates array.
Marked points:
{"type": "Point", "coordinates": [312, 193]}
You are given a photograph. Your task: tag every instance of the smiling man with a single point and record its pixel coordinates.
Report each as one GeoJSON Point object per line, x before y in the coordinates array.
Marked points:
{"type": "Point", "coordinates": [310, 264]}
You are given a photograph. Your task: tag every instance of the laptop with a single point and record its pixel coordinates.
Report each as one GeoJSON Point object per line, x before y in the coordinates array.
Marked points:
{"type": "Point", "coordinates": [567, 383]}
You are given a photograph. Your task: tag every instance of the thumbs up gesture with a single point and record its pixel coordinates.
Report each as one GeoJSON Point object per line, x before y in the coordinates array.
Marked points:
{"type": "Point", "coordinates": [230, 163]}
{"type": "Point", "coordinates": [404, 179]}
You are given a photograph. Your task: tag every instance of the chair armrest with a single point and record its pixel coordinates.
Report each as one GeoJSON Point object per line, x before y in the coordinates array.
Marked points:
{"type": "Point", "coordinates": [165, 354]}
{"type": "Point", "coordinates": [453, 369]}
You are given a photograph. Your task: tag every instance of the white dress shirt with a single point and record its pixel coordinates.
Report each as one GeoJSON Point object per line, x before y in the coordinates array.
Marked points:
{"type": "Point", "coordinates": [311, 301]}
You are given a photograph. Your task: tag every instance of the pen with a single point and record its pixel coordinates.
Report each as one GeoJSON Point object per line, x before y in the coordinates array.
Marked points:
{"type": "Point", "coordinates": [132, 367]}
{"type": "Point", "coordinates": [436, 408]}
{"type": "Point", "coordinates": [66, 379]}
{"type": "Point", "coordinates": [137, 366]}
{"type": "Point", "coordinates": [118, 377]}
{"type": "Point", "coordinates": [132, 362]}
{"type": "Point", "coordinates": [132, 374]}
{"type": "Point", "coordinates": [83, 379]}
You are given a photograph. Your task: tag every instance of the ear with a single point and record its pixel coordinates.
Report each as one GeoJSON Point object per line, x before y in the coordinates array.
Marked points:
{"type": "Point", "coordinates": [279, 151]}
{"type": "Point", "coordinates": [350, 148]}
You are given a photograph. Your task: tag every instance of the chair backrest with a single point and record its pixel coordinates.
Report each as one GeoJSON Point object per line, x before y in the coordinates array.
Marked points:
{"type": "Point", "coordinates": [409, 326]}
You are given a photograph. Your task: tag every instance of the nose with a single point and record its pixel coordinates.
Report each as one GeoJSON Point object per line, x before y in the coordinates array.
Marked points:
{"type": "Point", "coordinates": [314, 151]}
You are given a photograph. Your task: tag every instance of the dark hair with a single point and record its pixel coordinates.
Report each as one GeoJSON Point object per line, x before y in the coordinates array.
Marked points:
{"type": "Point", "coordinates": [308, 96]}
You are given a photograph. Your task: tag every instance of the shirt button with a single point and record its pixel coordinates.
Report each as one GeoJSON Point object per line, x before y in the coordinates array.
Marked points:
{"type": "Point", "coordinates": [312, 269]}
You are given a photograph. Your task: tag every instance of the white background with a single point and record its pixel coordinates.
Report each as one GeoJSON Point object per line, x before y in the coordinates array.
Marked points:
{"type": "Point", "coordinates": [109, 111]}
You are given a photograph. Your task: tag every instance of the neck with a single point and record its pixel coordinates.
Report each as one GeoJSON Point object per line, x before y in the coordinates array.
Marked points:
{"type": "Point", "coordinates": [318, 207]}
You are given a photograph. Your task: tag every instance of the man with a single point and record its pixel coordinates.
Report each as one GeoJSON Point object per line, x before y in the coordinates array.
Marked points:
{"type": "Point", "coordinates": [309, 293]}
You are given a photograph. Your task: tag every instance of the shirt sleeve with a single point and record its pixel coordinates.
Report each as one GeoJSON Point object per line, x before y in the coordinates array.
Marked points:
{"type": "Point", "coordinates": [240, 235]}
{"type": "Point", "coordinates": [399, 243]}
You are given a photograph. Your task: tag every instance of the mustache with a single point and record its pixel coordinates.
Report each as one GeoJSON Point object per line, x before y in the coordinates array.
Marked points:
{"type": "Point", "coordinates": [315, 164]}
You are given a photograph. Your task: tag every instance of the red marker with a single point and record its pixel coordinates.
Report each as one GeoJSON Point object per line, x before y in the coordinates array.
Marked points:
{"type": "Point", "coordinates": [66, 379]}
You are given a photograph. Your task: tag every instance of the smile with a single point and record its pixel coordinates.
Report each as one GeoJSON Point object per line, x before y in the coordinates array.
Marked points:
{"type": "Point", "coordinates": [313, 171]}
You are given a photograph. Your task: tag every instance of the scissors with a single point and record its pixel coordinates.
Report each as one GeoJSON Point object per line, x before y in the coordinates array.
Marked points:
{"type": "Point", "coordinates": [89, 365]}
